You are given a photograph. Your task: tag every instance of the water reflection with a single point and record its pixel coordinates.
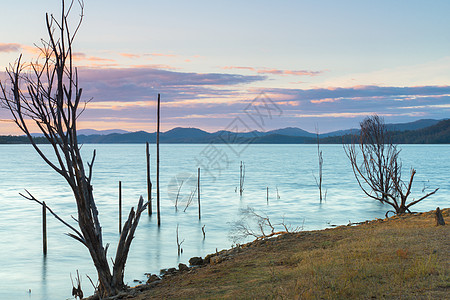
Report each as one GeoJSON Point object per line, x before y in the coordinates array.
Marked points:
{"type": "Point", "coordinates": [44, 278]}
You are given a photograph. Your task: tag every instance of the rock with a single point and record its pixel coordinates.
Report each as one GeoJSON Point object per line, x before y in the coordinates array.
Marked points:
{"type": "Point", "coordinates": [439, 218]}
{"type": "Point", "coordinates": [153, 278]}
{"type": "Point", "coordinates": [216, 260]}
{"type": "Point", "coordinates": [171, 271]}
{"type": "Point", "coordinates": [183, 267]}
{"type": "Point", "coordinates": [196, 261]}
{"type": "Point", "coordinates": [208, 258]}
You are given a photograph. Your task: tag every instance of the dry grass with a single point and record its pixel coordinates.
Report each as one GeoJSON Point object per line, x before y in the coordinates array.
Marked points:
{"type": "Point", "coordinates": [403, 257]}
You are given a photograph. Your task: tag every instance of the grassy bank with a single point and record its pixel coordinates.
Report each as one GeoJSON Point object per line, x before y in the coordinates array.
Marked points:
{"type": "Point", "coordinates": [405, 257]}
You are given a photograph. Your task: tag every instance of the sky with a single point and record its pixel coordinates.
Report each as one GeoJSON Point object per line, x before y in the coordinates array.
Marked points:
{"type": "Point", "coordinates": [247, 65]}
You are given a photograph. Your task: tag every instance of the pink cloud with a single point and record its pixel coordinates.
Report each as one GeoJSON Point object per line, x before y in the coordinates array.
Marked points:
{"type": "Point", "coordinates": [160, 54]}
{"type": "Point", "coordinates": [238, 68]}
{"type": "Point", "coordinates": [9, 47]}
{"type": "Point", "coordinates": [155, 66]}
{"type": "Point", "coordinates": [79, 56]}
{"type": "Point", "coordinates": [275, 71]}
{"type": "Point", "coordinates": [130, 55]}
{"type": "Point", "coordinates": [325, 100]}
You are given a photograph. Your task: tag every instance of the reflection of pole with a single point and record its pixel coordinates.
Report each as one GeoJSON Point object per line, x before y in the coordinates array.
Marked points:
{"type": "Point", "coordinates": [267, 195]}
{"type": "Point", "coordinates": [44, 228]}
{"type": "Point", "coordinates": [149, 183]}
{"type": "Point", "coordinates": [198, 193]}
{"type": "Point", "coordinates": [120, 207]}
{"type": "Point", "coordinates": [157, 163]}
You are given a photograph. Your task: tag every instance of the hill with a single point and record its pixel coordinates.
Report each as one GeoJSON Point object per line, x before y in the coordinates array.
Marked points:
{"type": "Point", "coordinates": [417, 132]}
{"type": "Point", "coordinates": [439, 133]}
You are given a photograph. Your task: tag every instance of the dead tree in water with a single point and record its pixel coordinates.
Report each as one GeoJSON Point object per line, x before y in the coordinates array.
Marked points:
{"type": "Point", "coordinates": [319, 181]}
{"type": "Point", "coordinates": [379, 171]}
{"type": "Point", "coordinates": [46, 93]}
{"type": "Point", "coordinates": [180, 250]}
{"type": "Point", "coordinates": [241, 178]}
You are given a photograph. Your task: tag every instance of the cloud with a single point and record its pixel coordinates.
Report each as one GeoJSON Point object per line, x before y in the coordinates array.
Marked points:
{"type": "Point", "coordinates": [356, 115]}
{"type": "Point", "coordinates": [155, 66]}
{"type": "Point", "coordinates": [124, 96]}
{"type": "Point", "coordinates": [130, 55]}
{"type": "Point", "coordinates": [239, 68]}
{"type": "Point", "coordinates": [10, 47]}
{"type": "Point", "coordinates": [359, 101]}
{"type": "Point", "coordinates": [160, 55]}
{"type": "Point", "coordinates": [333, 95]}
{"type": "Point", "coordinates": [143, 83]}
{"type": "Point", "coordinates": [275, 71]}
{"type": "Point", "coordinates": [79, 56]}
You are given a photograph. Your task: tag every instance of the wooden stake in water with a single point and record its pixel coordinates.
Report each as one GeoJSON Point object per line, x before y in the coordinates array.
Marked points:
{"type": "Point", "coordinates": [241, 178]}
{"type": "Point", "coordinates": [198, 194]}
{"type": "Point", "coordinates": [120, 207]}
{"type": "Point", "coordinates": [157, 162]}
{"type": "Point", "coordinates": [149, 182]}
{"type": "Point", "coordinates": [44, 228]}
{"type": "Point", "coordinates": [267, 195]}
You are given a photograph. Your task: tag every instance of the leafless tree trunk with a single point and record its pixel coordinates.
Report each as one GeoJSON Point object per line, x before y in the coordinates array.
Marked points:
{"type": "Point", "coordinates": [320, 156]}
{"type": "Point", "coordinates": [241, 178]}
{"type": "Point", "coordinates": [46, 93]}
{"type": "Point", "coordinates": [379, 172]}
{"type": "Point", "coordinates": [179, 243]}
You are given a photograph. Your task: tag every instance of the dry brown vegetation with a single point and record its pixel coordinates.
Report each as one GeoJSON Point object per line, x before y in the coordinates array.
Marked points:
{"type": "Point", "coordinates": [402, 257]}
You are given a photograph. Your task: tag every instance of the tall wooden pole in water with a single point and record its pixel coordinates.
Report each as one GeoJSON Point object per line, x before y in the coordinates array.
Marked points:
{"type": "Point", "coordinates": [120, 207]}
{"type": "Point", "coordinates": [157, 163]}
{"type": "Point", "coordinates": [44, 228]}
{"type": "Point", "coordinates": [198, 194]}
{"type": "Point", "coordinates": [149, 182]}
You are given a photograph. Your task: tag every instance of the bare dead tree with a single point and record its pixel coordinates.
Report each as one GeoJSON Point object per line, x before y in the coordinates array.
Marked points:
{"type": "Point", "coordinates": [241, 178]}
{"type": "Point", "coordinates": [253, 224]}
{"type": "Point", "coordinates": [179, 243]}
{"type": "Point", "coordinates": [379, 172]}
{"type": "Point", "coordinates": [320, 178]}
{"type": "Point", "coordinates": [178, 195]}
{"type": "Point", "coordinates": [190, 199]}
{"type": "Point", "coordinates": [204, 231]}
{"type": "Point", "coordinates": [47, 93]}
{"type": "Point", "coordinates": [77, 292]}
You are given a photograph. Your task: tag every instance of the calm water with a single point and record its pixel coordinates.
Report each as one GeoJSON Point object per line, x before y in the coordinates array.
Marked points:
{"type": "Point", "coordinates": [285, 169]}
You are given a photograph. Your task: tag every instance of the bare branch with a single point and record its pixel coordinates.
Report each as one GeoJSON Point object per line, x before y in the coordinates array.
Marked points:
{"type": "Point", "coordinates": [379, 173]}
{"type": "Point", "coordinates": [78, 237]}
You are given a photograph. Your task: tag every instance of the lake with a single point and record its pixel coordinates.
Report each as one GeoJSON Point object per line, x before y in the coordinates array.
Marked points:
{"type": "Point", "coordinates": [287, 170]}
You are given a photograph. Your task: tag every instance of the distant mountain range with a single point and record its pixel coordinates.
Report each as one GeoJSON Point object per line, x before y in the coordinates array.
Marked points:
{"type": "Point", "coordinates": [421, 131]}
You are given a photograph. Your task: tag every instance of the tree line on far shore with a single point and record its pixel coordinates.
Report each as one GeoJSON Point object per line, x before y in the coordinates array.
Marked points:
{"type": "Point", "coordinates": [435, 134]}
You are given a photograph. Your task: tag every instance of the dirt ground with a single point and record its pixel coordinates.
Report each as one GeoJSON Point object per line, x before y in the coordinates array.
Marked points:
{"type": "Point", "coordinates": [402, 257]}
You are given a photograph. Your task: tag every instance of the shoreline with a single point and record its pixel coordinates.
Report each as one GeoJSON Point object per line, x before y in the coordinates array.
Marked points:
{"type": "Point", "coordinates": [400, 256]}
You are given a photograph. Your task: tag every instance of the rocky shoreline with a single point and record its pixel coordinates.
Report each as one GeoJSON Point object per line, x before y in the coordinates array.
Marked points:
{"type": "Point", "coordinates": [171, 279]}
